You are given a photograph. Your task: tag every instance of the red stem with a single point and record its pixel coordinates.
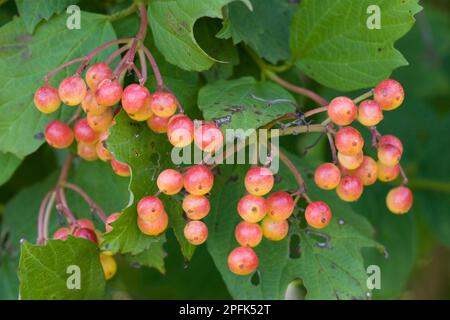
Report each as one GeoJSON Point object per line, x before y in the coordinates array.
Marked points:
{"type": "Point", "coordinates": [143, 63]}
{"type": "Point", "coordinates": [88, 200]}
{"type": "Point", "coordinates": [159, 81]}
{"type": "Point", "coordinates": [138, 74]}
{"type": "Point", "coordinates": [116, 53]}
{"type": "Point", "coordinates": [41, 239]}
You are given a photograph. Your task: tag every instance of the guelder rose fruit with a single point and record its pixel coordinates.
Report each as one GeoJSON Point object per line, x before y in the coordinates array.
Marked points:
{"type": "Point", "coordinates": [243, 261]}
{"type": "Point", "coordinates": [46, 99]}
{"type": "Point", "coordinates": [252, 208]}
{"type": "Point", "coordinates": [120, 168]}
{"type": "Point", "coordinates": [350, 162]}
{"type": "Point", "coordinates": [170, 181]}
{"type": "Point", "coordinates": [367, 172]}
{"type": "Point", "coordinates": [370, 113]}
{"type": "Point", "coordinates": [349, 141]}
{"type": "Point", "coordinates": [342, 111]}
{"type": "Point", "coordinates": [90, 105]}
{"type": "Point", "coordinates": [248, 234]}
{"type": "Point", "coordinates": [163, 104]}
{"type": "Point", "coordinates": [399, 200]}
{"type": "Point", "coordinates": [158, 124]}
{"type": "Point", "coordinates": [109, 265]}
{"type": "Point", "coordinates": [58, 134]}
{"type": "Point", "coordinates": [274, 230]}
{"type": "Point", "coordinates": [280, 205]}
{"type": "Point", "coordinates": [180, 130]}
{"type": "Point", "coordinates": [72, 90]}
{"type": "Point", "coordinates": [327, 176]}
{"type": "Point", "coordinates": [97, 73]}
{"type": "Point", "coordinates": [350, 188]}
{"type": "Point", "coordinates": [135, 98]}
{"type": "Point", "coordinates": [196, 207]}
{"type": "Point", "coordinates": [198, 180]}
{"type": "Point", "coordinates": [389, 94]}
{"type": "Point", "coordinates": [387, 173]}
{"type": "Point", "coordinates": [86, 151]}
{"type": "Point", "coordinates": [84, 133]}
{"type": "Point", "coordinates": [208, 137]}
{"type": "Point", "coordinates": [61, 234]}
{"type": "Point", "coordinates": [259, 181]}
{"type": "Point", "coordinates": [318, 214]}
{"type": "Point", "coordinates": [110, 219]}
{"type": "Point", "coordinates": [150, 208]}
{"type": "Point", "coordinates": [155, 227]}
{"type": "Point", "coordinates": [196, 232]}
{"type": "Point", "coordinates": [108, 93]}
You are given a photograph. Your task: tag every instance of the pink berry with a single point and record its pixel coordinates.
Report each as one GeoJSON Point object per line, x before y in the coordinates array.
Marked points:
{"type": "Point", "coordinates": [158, 124]}
{"type": "Point", "coordinates": [46, 99]}
{"type": "Point", "coordinates": [102, 152]}
{"type": "Point", "coordinates": [248, 234]}
{"type": "Point", "coordinates": [90, 105]}
{"type": "Point", "coordinates": [87, 151]}
{"type": "Point", "coordinates": [150, 208]}
{"type": "Point", "coordinates": [280, 205]}
{"type": "Point", "coordinates": [170, 181]}
{"type": "Point", "coordinates": [370, 113]}
{"type": "Point", "coordinates": [243, 261]}
{"type": "Point", "coordinates": [58, 134]}
{"type": "Point", "coordinates": [196, 232]}
{"type": "Point", "coordinates": [318, 214]}
{"type": "Point", "coordinates": [208, 137]}
{"type": "Point", "coordinates": [392, 140]}
{"type": "Point", "coordinates": [163, 104]}
{"type": "Point", "coordinates": [399, 200]}
{"type": "Point", "coordinates": [196, 207]}
{"type": "Point", "coordinates": [153, 228]}
{"type": "Point", "coordinates": [342, 111]}
{"type": "Point", "coordinates": [72, 90]}
{"type": "Point", "coordinates": [85, 233]}
{"type": "Point", "coordinates": [180, 130]}
{"type": "Point", "coordinates": [327, 176]}
{"type": "Point", "coordinates": [389, 94]}
{"type": "Point", "coordinates": [274, 230]}
{"type": "Point", "coordinates": [198, 180]}
{"type": "Point", "coordinates": [84, 133]}
{"type": "Point", "coordinates": [135, 98]}
{"type": "Point", "coordinates": [350, 188]}
{"type": "Point", "coordinates": [252, 208]}
{"type": "Point", "coordinates": [259, 181]}
{"type": "Point", "coordinates": [387, 173]}
{"type": "Point", "coordinates": [389, 155]}
{"type": "Point", "coordinates": [367, 172]}
{"type": "Point", "coordinates": [108, 93]}
{"type": "Point", "coordinates": [120, 168]}
{"type": "Point", "coordinates": [350, 162]}
{"type": "Point", "coordinates": [61, 234]}
{"type": "Point", "coordinates": [101, 122]}
{"type": "Point", "coordinates": [110, 219]}
{"type": "Point", "coordinates": [97, 73]}
{"type": "Point", "coordinates": [349, 141]}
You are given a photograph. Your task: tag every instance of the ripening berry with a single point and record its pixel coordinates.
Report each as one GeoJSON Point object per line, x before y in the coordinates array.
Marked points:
{"type": "Point", "coordinates": [342, 111]}
{"type": "Point", "coordinates": [108, 93]}
{"type": "Point", "coordinates": [72, 90]}
{"type": "Point", "coordinates": [208, 137]}
{"type": "Point", "coordinates": [87, 151]}
{"type": "Point", "coordinates": [274, 230]}
{"type": "Point", "coordinates": [61, 234]}
{"type": "Point", "coordinates": [196, 207]}
{"type": "Point", "coordinates": [97, 73]}
{"type": "Point", "coordinates": [367, 172]}
{"type": "Point", "coordinates": [349, 141]}
{"type": "Point", "coordinates": [248, 234]}
{"type": "Point", "coordinates": [252, 208]}
{"type": "Point", "coordinates": [198, 180]}
{"type": "Point", "coordinates": [180, 130]}
{"type": "Point", "coordinates": [389, 155]}
{"type": "Point", "coordinates": [158, 124]}
{"type": "Point", "coordinates": [120, 168]}
{"type": "Point", "coordinates": [46, 99]}
{"type": "Point", "coordinates": [259, 181]}
{"type": "Point", "coordinates": [90, 105]}
{"type": "Point", "coordinates": [135, 98]}
{"type": "Point", "coordinates": [369, 113]}
{"type": "Point", "coordinates": [327, 176]}
{"type": "Point", "coordinates": [242, 261]}
{"type": "Point", "coordinates": [153, 228]}
{"type": "Point", "coordinates": [102, 153]}
{"type": "Point", "coordinates": [280, 205]}
{"type": "Point", "coordinates": [350, 162]}
{"type": "Point", "coordinates": [101, 122]}
{"type": "Point", "coordinates": [399, 200]}
{"type": "Point", "coordinates": [163, 104]}
{"type": "Point", "coordinates": [350, 188]}
{"type": "Point", "coordinates": [58, 134]}
{"type": "Point", "coordinates": [389, 94]}
{"type": "Point", "coordinates": [84, 133]}
{"type": "Point", "coordinates": [109, 265]}
{"type": "Point", "coordinates": [86, 223]}
{"type": "Point", "coordinates": [387, 173]}
{"type": "Point", "coordinates": [196, 232]}
{"type": "Point", "coordinates": [110, 219]}
{"type": "Point", "coordinates": [85, 233]}
{"type": "Point", "coordinates": [170, 181]}
{"type": "Point", "coordinates": [318, 214]}
{"type": "Point", "coordinates": [392, 140]}
{"type": "Point", "coordinates": [150, 208]}
{"type": "Point", "coordinates": [142, 115]}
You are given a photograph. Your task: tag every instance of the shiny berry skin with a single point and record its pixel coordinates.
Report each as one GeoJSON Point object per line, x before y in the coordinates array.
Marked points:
{"type": "Point", "coordinates": [86, 223]}
{"type": "Point", "coordinates": [180, 130]}
{"type": "Point", "coordinates": [135, 98]}
{"type": "Point", "coordinates": [150, 208]}
{"type": "Point", "coordinates": [252, 208]}
{"type": "Point", "coordinates": [367, 172]}
{"type": "Point", "coordinates": [387, 173]}
{"type": "Point", "coordinates": [90, 105]}
{"type": "Point", "coordinates": [350, 162]}
{"type": "Point", "coordinates": [120, 168]}
{"type": "Point", "coordinates": [399, 200]}
{"type": "Point", "coordinates": [163, 104]}
{"type": "Point", "coordinates": [327, 176]}
{"type": "Point", "coordinates": [198, 180]}
{"type": "Point", "coordinates": [170, 181]}
{"type": "Point", "coordinates": [369, 113]}
{"type": "Point", "coordinates": [87, 151]}
{"type": "Point", "coordinates": [72, 90]}
{"type": "Point", "coordinates": [97, 73]}
{"type": "Point", "coordinates": [85, 233]}
{"type": "Point", "coordinates": [274, 230]}
{"type": "Point", "coordinates": [259, 181]}
{"type": "Point", "coordinates": [389, 155]}
{"type": "Point", "coordinates": [196, 207]}
{"type": "Point", "coordinates": [110, 219]}
{"type": "Point", "coordinates": [153, 228]}
{"type": "Point", "coordinates": [342, 111]}
{"type": "Point", "coordinates": [46, 99]}
{"type": "Point", "coordinates": [349, 141]}
{"type": "Point", "coordinates": [142, 115]}
{"type": "Point", "coordinates": [318, 214]}
{"type": "Point", "coordinates": [196, 232]}
{"type": "Point", "coordinates": [61, 234]}
{"type": "Point", "coordinates": [208, 137]}
{"type": "Point", "coordinates": [109, 265]}
{"type": "Point", "coordinates": [392, 140]}
{"type": "Point", "coordinates": [58, 134]}
{"type": "Point", "coordinates": [102, 153]}
{"type": "Point", "coordinates": [350, 188]}
{"type": "Point", "coordinates": [108, 93]}
{"type": "Point", "coordinates": [242, 261]}
{"type": "Point", "coordinates": [389, 94]}
{"type": "Point", "coordinates": [280, 205]}
{"type": "Point", "coordinates": [101, 122]}
{"type": "Point", "coordinates": [158, 124]}
{"type": "Point", "coordinates": [248, 234]}
{"type": "Point", "coordinates": [84, 133]}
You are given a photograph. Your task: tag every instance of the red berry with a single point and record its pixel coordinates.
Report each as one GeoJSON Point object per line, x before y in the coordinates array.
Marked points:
{"type": "Point", "coordinates": [90, 105]}
{"type": "Point", "coordinates": [72, 90]}
{"type": "Point", "coordinates": [248, 234]}
{"type": "Point", "coordinates": [46, 99]}
{"type": "Point", "coordinates": [142, 115]}
{"type": "Point", "coordinates": [87, 151]}
{"type": "Point", "coordinates": [196, 232]}
{"type": "Point", "coordinates": [153, 228]}
{"type": "Point", "coordinates": [370, 113]}
{"type": "Point", "coordinates": [318, 214]}
{"type": "Point", "coordinates": [196, 207]}
{"type": "Point", "coordinates": [101, 122]}
{"type": "Point", "coordinates": [150, 208]}
{"type": "Point", "coordinates": [367, 172]}
{"type": "Point", "coordinates": [85, 233]}
{"type": "Point", "coordinates": [84, 133]}
{"type": "Point", "coordinates": [392, 140]}
{"type": "Point", "coordinates": [158, 124]}
{"type": "Point", "coordinates": [61, 234]}
{"type": "Point", "coordinates": [198, 180]}
{"type": "Point", "coordinates": [58, 134]}
{"type": "Point", "coordinates": [327, 176]}
{"type": "Point", "coordinates": [135, 98]}
{"type": "Point", "coordinates": [342, 111]}
{"type": "Point", "coordinates": [208, 137]}
{"type": "Point", "coordinates": [389, 94]}
{"type": "Point", "coordinates": [280, 205]}
{"type": "Point", "coordinates": [163, 104]}
{"type": "Point", "coordinates": [108, 93]}
{"type": "Point", "coordinates": [180, 130]}
{"type": "Point", "coordinates": [110, 219]}
{"type": "Point", "coordinates": [102, 153]}
{"type": "Point", "coordinates": [97, 73]}
{"type": "Point", "coordinates": [170, 181]}
{"type": "Point", "coordinates": [399, 200]}
{"type": "Point", "coordinates": [86, 223]}
{"type": "Point", "coordinates": [389, 155]}
{"type": "Point", "coordinates": [350, 162]}
{"type": "Point", "coordinates": [243, 261]}
{"type": "Point", "coordinates": [252, 208]}
{"type": "Point", "coordinates": [349, 141]}
{"type": "Point", "coordinates": [120, 168]}
{"type": "Point", "coordinates": [259, 181]}
{"type": "Point", "coordinates": [350, 188]}
{"type": "Point", "coordinates": [274, 230]}
{"type": "Point", "coordinates": [387, 173]}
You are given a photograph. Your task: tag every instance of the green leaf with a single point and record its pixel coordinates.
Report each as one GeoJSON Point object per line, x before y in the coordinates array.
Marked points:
{"type": "Point", "coordinates": [234, 98]}
{"type": "Point", "coordinates": [172, 24]}
{"type": "Point", "coordinates": [34, 11]}
{"type": "Point", "coordinates": [25, 59]}
{"type": "Point", "coordinates": [9, 164]}
{"type": "Point", "coordinates": [9, 283]}
{"type": "Point", "coordinates": [332, 44]}
{"type": "Point", "coordinates": [152, 257]}
{"type": "Point", "coordinates": [264, 29]}
{"type": "Point", "coordinates": [44, 271]}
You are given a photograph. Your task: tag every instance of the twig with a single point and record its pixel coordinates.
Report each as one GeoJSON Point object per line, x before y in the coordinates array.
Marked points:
{"type": "Point", "coordinates": [86, 198]}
